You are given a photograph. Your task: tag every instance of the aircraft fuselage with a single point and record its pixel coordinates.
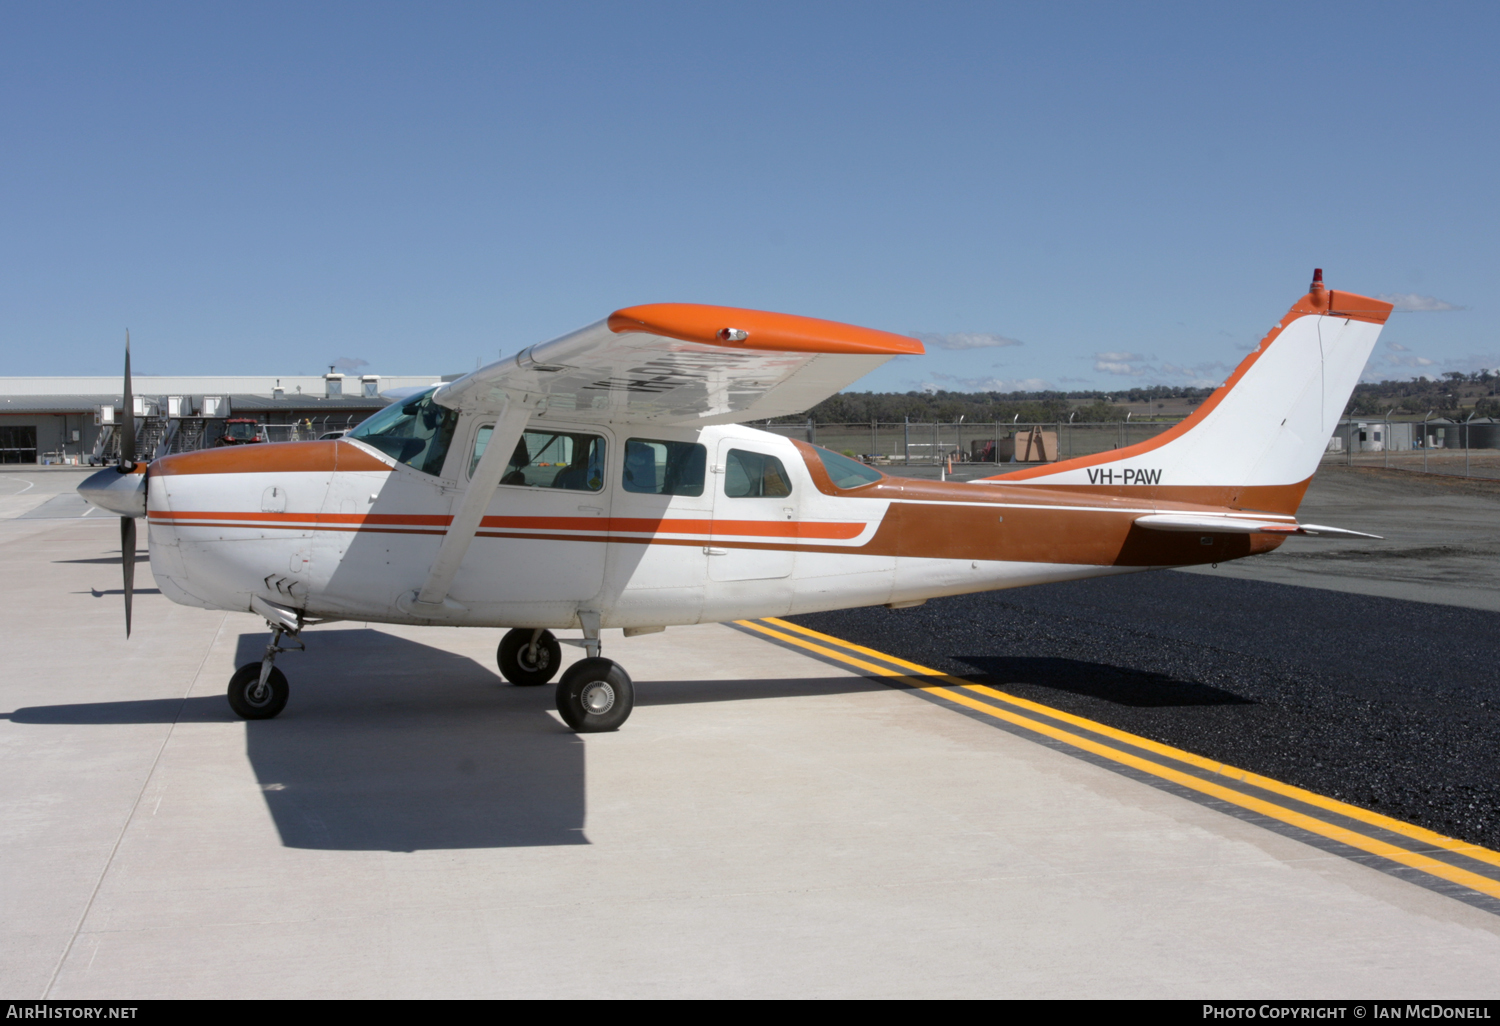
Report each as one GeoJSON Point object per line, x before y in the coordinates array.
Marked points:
{"type": "Point", "coordinates": [344, 530]}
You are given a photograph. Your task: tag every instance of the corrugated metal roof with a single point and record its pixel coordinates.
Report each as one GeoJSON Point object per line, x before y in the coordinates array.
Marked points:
{"type": "Point", "coordinates": [302, 405]}
{"type": "Point", "coordinates": [195, 384]}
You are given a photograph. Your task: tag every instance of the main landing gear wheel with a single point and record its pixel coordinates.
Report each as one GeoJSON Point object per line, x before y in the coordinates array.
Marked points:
{"type": "Point", "coordinates": [528, 664]}
{"type": "Point", "coordinates": [252, 701]}
{"type": "Point", "coordinates": [595, 695]}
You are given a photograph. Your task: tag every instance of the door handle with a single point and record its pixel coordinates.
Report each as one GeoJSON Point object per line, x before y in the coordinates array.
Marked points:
{"type": "Point", "coordinates": [714, 550]}
{"type": "Point", "coordinates": [591, 509]}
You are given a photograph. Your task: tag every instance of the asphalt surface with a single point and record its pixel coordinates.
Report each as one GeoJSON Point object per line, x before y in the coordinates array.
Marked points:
{"type": "Point", "coordinates": [1387, 704]}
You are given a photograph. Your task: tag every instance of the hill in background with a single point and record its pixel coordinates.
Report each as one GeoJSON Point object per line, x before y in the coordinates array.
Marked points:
{"type": "Point", "coordinates": [1455, 394]}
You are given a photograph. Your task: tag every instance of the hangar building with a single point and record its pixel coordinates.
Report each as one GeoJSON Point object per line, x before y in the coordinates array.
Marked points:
{"type": "Point", "coordinates": [70, 419]}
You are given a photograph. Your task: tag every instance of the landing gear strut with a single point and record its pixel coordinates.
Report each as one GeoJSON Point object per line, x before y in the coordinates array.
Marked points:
{"type": "Point", "coordinates": [259, 691]}
{"type": "Point", "coordinates": [529, 657]}
{"type": "Point", "coordinates": [595, 694]}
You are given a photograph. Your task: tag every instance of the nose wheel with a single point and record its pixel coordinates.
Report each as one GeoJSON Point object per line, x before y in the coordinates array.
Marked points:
{"type": "Point", "coordinates": [529, 657]}
{"type": "Point", "coordinates": [259, 691]}
{"type": "Point", "coordinates": [254, 699]}
{"type": "Point", "coordinates": [595, 695]}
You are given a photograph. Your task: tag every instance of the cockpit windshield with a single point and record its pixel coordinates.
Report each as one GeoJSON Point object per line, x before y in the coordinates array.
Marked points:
{"type": "Point", "coordinates": [415, 431]}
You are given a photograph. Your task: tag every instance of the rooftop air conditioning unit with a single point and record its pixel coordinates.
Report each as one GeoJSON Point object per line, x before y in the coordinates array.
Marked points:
{"type": "Point", "coordinates": [370, 386]}
{"type": "Point", "coordinates": [333, 385]}
{"type": "Point", "coordinates": [215, 407]}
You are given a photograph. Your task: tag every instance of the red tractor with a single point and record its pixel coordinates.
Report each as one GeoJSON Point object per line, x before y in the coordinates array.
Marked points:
{"type": "Point", "coordinates": [241, 431]}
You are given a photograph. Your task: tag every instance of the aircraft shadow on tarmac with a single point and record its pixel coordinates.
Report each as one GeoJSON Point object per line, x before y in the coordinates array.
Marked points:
{"type": "Point", "coordinates": [392, 745]}
{"type": "Point", "coordinates": [1118, 684]}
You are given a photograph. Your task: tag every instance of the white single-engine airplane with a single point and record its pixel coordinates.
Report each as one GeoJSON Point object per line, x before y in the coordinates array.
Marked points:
{"type": "Point", "coordinates": [603, 479]}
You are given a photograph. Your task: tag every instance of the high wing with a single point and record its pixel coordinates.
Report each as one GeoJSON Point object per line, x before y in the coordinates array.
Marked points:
{"type": "Point", "coordinates": [682, 363]}
{"type": "Point", "coordinates": [664, 363]}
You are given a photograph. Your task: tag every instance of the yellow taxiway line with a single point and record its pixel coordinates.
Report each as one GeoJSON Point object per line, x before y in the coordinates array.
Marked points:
{"type": "Point", "coordinates": [960, 692]}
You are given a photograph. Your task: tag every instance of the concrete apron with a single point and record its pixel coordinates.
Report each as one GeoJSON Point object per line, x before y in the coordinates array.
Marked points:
{"type": "Point", "coordinates": [764, 825]}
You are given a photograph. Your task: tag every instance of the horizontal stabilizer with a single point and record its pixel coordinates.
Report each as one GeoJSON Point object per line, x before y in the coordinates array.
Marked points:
{"type": "Point", "coordinates": [1226, 524]}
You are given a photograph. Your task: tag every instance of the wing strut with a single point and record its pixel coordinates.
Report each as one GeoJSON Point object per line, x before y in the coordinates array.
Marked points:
{"type": "Point", "coordinates": [471, 506]}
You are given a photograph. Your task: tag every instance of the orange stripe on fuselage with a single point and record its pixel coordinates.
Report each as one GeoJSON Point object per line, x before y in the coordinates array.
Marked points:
{"type": "Point", "coordinates": [332, 519]}
{"type": "Point", "coordinates": [702, 527]}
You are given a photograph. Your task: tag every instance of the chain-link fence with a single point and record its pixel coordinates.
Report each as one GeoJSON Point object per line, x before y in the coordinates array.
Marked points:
{"type": "Point", "coordinates": [1467, 448]}
{"type": "Point", "coordinates": [312, 428]}
{"type": "Point", "coordinates": [914, 443]}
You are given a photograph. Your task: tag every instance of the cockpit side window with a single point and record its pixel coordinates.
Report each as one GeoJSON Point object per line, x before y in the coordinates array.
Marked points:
{"type": "Point", "coordinates": [749, 475]}
{"type": "Point", "coordinates": [549, 459]}
{"type": "Point", "coordinates": [664, 468]}
{"type": "Point", "coordinates": [415, 431]}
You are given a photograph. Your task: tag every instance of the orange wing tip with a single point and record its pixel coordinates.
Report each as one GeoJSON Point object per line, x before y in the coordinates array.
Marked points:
{"type": "Point", "coordinates": [736, 328]}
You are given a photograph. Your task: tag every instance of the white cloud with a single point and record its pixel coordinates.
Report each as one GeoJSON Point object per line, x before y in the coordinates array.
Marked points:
{"type": "Point", "coordinates": [1200, 375]}
{"type": "Point", "coordinates": [1129, 370]}
{"type": "Point", "coordinates": [988, 384]}
{"type": "Point", "coordinates": [1474, 362]}
{"type": "Point", "coordinates": [1468, 364]}
{"type": "Point", "coordinates": [1397, 346]}
{"type": "Point", "coordinates": [1136, 365]}
{"type": "Point", "coordinates": [1126, 365]}
{"type": "Point", "coordinates": [1408, 361]}
{"type": "Point", "coordinates": [1410, 302]}
{"type": "Point", "coordinates": [967, 340]}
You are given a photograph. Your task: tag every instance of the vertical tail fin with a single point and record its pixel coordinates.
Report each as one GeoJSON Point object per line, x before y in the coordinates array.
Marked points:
{"type": "Point", "coordinates": [1256, 441]}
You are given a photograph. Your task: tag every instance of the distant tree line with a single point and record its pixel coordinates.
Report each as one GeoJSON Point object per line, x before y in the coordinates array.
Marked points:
{"type": "Point", "coordinates": [942, 406]}
{"type": "Point", "coordinates": [1451, 392]}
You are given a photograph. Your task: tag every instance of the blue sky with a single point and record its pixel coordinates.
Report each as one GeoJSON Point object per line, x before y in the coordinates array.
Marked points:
{"type": "Point", "coordinates": [1052, 195]}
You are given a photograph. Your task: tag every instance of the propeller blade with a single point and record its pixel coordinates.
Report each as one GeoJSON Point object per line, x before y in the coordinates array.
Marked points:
{"type": "Point", "coordinates": [127, 422]}
{"type": "Point", "coordinates": [127, 562]}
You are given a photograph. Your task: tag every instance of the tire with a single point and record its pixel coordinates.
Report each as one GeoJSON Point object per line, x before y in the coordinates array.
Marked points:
{"type": "Point", "coordinates": [246, 704]}
{"type": "Point", "coordinates": [595, 695]}
{"type": "Point", "coordinates": [516, 668]}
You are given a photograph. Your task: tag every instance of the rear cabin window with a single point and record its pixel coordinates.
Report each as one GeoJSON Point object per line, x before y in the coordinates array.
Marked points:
{"type": "Point", "coordinates": [416, 431]}
{"type": "Point", "coordinates": [664, 468]}
{"type": "Point", "coordinates": [753, 475]}
{"type": "Point", "coordinates": [844, 472]}
{"type": "Point", "coordinates": [549, 459]}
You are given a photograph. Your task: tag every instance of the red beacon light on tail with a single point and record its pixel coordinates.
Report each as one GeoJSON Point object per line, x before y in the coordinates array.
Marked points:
{"type": "Point", "coordinates": [1315, 290]}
